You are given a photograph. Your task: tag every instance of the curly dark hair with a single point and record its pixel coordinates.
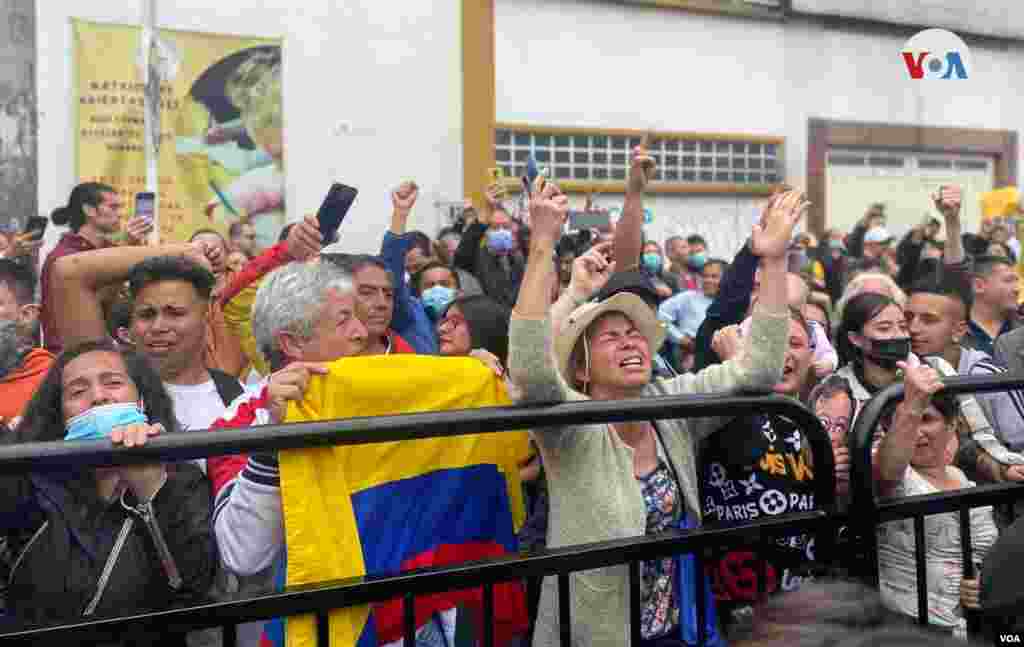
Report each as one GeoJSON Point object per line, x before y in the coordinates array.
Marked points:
{"type": "Point", "coordinates": [44, 418]}
{"type": "Point", "coordinates": [171, 268]}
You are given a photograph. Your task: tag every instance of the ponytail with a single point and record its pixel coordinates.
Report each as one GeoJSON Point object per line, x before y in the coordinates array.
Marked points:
{"type": "Point", "coordinates": [61, 216]}
{"type": "Point", "coordinates": [86, 194]}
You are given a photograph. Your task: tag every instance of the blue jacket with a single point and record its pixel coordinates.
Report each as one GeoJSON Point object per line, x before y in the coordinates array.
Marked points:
{"type": "Point", "coordinates": [729, 307]}
{"type": "Point", "coordinates": [410, 319]}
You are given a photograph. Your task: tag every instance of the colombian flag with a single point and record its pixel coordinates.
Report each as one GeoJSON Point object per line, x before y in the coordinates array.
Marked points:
{"type": "Point", "coordinates": [388, 507]}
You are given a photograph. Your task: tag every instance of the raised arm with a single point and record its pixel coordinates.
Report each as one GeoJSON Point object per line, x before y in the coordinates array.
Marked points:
{"type": "Point", "coordinates": [759, 365]}
{"type": "Point", "coordinates": [531, 362]}
{"type": "Point", "coordinates": [629, 230]}
{"type": "Point", "coordinates": [590, 272]}
{"type": "Point", "coordinates": [303, 242]}
{"type": "Point", "coordinates": [897, 446]}
{"type": "Point", "coordinates": [469, 245]}
{"type": "Point", "coordinates": [948, 201]}
{"type": "Point", "coordinates": [77, 279]}
{"type": "Point", "coordinates": [393, 251]}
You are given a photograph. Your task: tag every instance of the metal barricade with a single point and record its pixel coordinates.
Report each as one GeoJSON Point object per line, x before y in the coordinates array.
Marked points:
{"type": "Point", "coordinates": [320, 598]}
{"type": "Point", "coordinates": [866, 513]}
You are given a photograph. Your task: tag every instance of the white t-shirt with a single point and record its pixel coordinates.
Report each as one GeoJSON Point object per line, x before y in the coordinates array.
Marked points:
{"type": "Point", "coordinates": [196, 406]}
{"type": "Point", "coordinates": [896, 571]}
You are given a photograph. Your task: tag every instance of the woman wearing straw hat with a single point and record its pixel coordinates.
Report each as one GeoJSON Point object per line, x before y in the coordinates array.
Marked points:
{"type": "Point", "coordinates": [628, 479]}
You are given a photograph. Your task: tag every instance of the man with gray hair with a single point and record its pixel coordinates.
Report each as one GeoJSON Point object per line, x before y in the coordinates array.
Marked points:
{"type": "Point", "coordinates": [304, 316]}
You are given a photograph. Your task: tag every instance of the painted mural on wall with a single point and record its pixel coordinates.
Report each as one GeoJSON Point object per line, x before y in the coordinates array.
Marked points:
{"type": "Point", "coordinates": [220, 146]}
{"type": "Point", "coordinates": [18, 116]}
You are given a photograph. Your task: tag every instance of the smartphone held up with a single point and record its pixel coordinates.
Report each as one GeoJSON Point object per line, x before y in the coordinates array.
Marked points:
{"type": "Point", "coordinates": [333, 210]}
{"type": "Point", "coordinates": [34, 229]}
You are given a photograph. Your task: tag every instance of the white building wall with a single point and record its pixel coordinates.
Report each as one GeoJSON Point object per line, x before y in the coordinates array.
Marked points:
{"type": "Point", "coordinates": [390, 70]}
{"type": "Point", "coordinates": [600, 64]}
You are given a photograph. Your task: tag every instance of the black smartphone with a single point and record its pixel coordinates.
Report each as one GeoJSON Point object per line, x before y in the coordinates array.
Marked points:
{"type": "Point", "coordinates": [35, 227]}
{"type": "Point", "coordinates": [334, 209]}
{"type": "Point", "coordinates": [145, 205]}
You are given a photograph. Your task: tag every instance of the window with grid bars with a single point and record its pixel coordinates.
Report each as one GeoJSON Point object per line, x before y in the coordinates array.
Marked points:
{"type": "Point", "coordinates": [685, 162]}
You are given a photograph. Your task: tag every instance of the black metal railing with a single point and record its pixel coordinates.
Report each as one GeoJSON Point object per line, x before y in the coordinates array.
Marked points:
{"type": "Point", "coordinates": [866, 513]}
{"type": "Point", "coordinates": [320, 598]}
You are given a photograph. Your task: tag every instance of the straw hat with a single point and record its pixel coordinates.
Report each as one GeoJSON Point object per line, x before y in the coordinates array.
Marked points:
{"type": "Point", "coordinates": [626, 303]}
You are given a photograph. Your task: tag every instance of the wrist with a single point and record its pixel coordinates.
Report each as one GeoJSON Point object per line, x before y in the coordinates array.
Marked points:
{"type": "Point", "coordinates": [542, 244]}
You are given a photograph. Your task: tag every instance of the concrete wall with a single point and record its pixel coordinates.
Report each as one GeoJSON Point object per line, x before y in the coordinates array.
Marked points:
{"type": "Point", "coordinates": [603, 64]}
{"type": "Point", "coordinates": [389, 70]}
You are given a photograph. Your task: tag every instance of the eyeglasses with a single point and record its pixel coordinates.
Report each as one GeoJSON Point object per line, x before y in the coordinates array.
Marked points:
{"type": "Point", "coordinates": [839, 426]}
{"type": "Point", "coordinates": [451, 322]}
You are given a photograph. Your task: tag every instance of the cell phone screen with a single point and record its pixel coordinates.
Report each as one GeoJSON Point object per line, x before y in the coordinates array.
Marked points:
{"type": "Point", "coordinates": [334, 209]}
{"type": "Point", "coordinates": [145, 205]}
{"type": "Point", "coordinates": [36, 227]}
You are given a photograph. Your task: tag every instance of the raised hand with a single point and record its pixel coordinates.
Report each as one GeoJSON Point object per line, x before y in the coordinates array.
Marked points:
{"type": "Point", "coordinates": [948, 200]}
{"type": "Point", "coordinates": [22, 245]}
{"type": "Point", "coordinates": [304, 240]}
{"type": "Point", "coordinates": [771, 237]}
{"type": "Point", "coordinates": [920, 383]}
{"type": "Point", "coordinates": [591, 271]}
{"type": "Point", "coordinates": [199, 252]}
{"type": "Point", "coordinates": [137, 229]}
{"type": "Point", "coordinates": [548, 211]}
{"type": "Point", "coordinates": [488, 359]}
{"type": "Point", "coordinates": [641, 169]}
{"type": "Point", "coordinates": [495, 192]}
{"type": "Point", "coordinates": [727, 343]}
{"type": "Point", "coordinates": [404, 197]}
{"type": "Point", "coordinates": [289, 384]}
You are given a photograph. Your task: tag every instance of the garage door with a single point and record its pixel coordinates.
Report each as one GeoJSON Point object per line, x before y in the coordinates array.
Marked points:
{"type": "Point", "coordinates": [904, 182]}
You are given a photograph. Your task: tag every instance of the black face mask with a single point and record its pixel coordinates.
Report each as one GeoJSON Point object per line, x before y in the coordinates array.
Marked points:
{"type": "Point", "coordinates": [887, 352]}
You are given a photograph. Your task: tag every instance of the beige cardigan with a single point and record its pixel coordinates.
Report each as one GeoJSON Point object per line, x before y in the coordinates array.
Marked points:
{"type": "Point", "coordinates": [594, 495]}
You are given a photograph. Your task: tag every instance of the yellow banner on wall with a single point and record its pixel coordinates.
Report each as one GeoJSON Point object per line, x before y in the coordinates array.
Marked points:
{"type": "Point", "coordinates": [221, 153]}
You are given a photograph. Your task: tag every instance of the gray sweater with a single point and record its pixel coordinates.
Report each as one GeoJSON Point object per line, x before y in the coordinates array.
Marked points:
{"type": "Point", "coordinates": [594, 495]}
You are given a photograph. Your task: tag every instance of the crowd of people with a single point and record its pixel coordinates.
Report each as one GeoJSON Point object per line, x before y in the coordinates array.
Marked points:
{"type": "Point", "coordinates": [121, 340]}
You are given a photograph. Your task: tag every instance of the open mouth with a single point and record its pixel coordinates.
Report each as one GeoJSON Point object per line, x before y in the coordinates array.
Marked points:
{"type": "Point", "coordinates": [159, 347]}
{"type": "Point", "coordinates": [633, 361]}
{"type": "Point", "coordinates": [787, 371]}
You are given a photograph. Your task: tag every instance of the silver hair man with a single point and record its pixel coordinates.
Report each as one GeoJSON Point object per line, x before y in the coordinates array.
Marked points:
{"type": "Point", "coordinates": [291, 299]}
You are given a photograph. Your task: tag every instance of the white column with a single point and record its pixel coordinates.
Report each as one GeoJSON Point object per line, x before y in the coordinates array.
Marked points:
{"type": "Point", "coordinates": [151, 111]}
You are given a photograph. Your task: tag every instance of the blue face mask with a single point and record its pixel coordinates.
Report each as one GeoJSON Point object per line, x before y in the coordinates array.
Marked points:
{"type": "Point", "coordinates": [652, 262]}
{"type": "Point", "coordinates": [500, 241]}
{"type": "Point", "coordinates": [836, 244]}
{"type": "Point", "coordinates": [697, 261]}
{"type": "Point", "coordinates": [98, 422]}
{"type": "Point", "coordinates": [436, 299]}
